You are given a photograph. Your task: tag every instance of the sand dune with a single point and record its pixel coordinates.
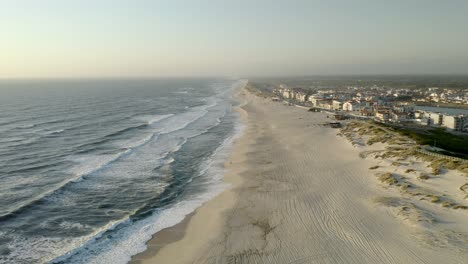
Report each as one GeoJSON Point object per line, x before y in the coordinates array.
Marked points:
{"type": "Point", "coordinates": [301, 194]}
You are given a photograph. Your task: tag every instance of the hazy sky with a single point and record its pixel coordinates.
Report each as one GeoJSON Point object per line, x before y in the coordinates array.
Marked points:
{"type": "Point", "coordinates": [132, 38]}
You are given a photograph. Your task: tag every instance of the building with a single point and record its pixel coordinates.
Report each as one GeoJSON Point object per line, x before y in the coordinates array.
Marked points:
{"type": "Point", "coordinates": [326, 104]}
{"type": "Point", "coordinates": [315, 100]}
{"type": "Point", "coordinates": [367, 111]}
{"type": "Point", "coordinates": [457, 123]}
{"type": "Point", "coordinates": [337, 105]}
{"type": "Point", "coordinates": [419, 114]}
{"type": "Point", "coordinates": [406, 108]}
{"type": "Point", "coordinates": [300, 95]}
{"type": "Point", "coordinates": [355, 105]}
{"type": "Point", "coordinates": [398, 116]}
{"type": "Point", "coordinates": [382, 115]}
{"type": "Point", "coordinates": [286, 93]}
{"type": "Point", "coordinates": [433, 119]}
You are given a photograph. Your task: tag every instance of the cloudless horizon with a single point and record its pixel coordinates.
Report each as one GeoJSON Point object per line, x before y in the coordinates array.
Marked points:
{"type": "Point", "coordinates": [157, 39]}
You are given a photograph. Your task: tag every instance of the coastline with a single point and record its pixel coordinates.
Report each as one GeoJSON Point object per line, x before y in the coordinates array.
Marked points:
{"type": "Point", "coordinates": [299, 193]}
{"type": "Point", "coordinates": [186, 234]}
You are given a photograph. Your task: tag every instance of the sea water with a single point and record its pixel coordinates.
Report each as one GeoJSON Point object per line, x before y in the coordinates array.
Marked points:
{"type": "Point", "coordinates": [91, 169]}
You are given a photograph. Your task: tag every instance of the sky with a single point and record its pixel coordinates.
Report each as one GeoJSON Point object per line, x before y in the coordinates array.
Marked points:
{"type": "Point", "coordinates": [236, 38]}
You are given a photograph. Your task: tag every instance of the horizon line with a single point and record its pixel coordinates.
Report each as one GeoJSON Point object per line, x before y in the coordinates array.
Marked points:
{"type": "Point", "coordinates": [143, 77]}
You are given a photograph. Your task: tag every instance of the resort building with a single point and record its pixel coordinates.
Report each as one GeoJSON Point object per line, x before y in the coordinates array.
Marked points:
{"type": "Point", "coordinates": [382, 115]}
{"type": "Point", "coordinates": [398, 116]}
{"type": "Point", "coordinates": [457, 123]}
{"type": "Point", "coordinates": [433, 119]}
{"type": "Point", "coordinates": [355, 105]}
{"type": "Point", "coordinates": [337, 105]}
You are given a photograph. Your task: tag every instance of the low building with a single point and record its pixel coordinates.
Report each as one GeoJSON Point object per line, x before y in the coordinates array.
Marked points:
{"type": "Point", "coordinates": [419, 114]}
{"type": "Point", "coordinates": [456, 123]}
{"type": "Point", "coordinates": [300, 96]}
{"type": "Point", "coordinates": [382, 115]}
{"type": "Point", "coordinates": [367, 111]}
{"type": "Point", "coordinates": [315, 100]}
{"type": "Point", "coordinates": [398, 116]}
{"type": "Point", "coordinates": [337, 105]}
{"type": "Point", "coordinates": [407, 108]}
{"type": "Point", "coordinates": [286, 93]}
{"type": "Point", "coordinates": [434, 119]}
{"type": "Point", "coordinates": [355, 105]}
{"type": "Point", "coordinates": [326, 104]}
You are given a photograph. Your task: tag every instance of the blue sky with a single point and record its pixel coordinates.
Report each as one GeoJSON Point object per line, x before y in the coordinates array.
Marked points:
{"type": "Point", "coordinates": [133, 38]}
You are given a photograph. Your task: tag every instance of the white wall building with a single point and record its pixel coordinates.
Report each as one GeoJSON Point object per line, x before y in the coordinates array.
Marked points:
{"type": "Point", "coordinates": [457, 123]}
{"type": "Point", "coordinates": [337, 105]}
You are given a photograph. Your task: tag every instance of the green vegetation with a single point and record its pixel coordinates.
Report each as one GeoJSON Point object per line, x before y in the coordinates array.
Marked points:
{"type": "Point", "coordinates": [424, 177]}
{"type": "Point", "coordinates": [437, 163]}
{"type": "Point", "coordinates": [437, 136]}
{"type": "Point", "coordinates": [447, 204]}
{"type": "Point", "coordinates": [388, 178]}
{"type": "Point", "coordinates": [433, 198]}
{"type": "Point", "coordinates": [436, 168]}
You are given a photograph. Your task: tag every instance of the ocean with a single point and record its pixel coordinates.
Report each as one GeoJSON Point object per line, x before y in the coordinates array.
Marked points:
{"type": "Point", "coordinates": [91, 169]}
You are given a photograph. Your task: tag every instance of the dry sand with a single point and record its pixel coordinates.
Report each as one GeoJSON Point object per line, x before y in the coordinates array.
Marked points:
{"type": "Point", "coordinates": [299, 194]}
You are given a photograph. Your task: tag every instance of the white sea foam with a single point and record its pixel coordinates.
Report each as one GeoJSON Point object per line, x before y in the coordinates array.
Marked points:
{"type": "Point", "coordinates": [135, 143]}
{"type": "Point", "coordinates": [151, 119]}
{"type": "Point", "coordinates": [54, 132]}
{"type": "Point", "coordinates": [181, 121]}
{"type": "Point", "coordinates": [88, 164]}
{"type": "Point", "coordinates": [131, 238]}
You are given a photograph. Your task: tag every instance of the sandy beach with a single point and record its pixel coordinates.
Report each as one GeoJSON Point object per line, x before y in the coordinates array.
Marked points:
{"type": "Point", "coordinates": [302, 194]}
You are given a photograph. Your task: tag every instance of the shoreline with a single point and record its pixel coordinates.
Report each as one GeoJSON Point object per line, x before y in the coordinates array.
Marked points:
{"type": "Point", "coordinates": [182, 233]}
{"type": "Point", "coordinates": [164, 237]}
{"type": "Point", "coordinates": [300, 193]}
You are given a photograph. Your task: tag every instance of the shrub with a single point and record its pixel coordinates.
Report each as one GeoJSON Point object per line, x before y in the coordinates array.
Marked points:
{"type": "Point", "coordinates": [424, 177]}
{"type": "Point", "coordinates": [388, 178]}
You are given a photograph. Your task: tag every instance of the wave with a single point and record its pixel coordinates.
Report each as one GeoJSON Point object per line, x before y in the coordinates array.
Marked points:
{"type": "Point", "coordinates": [25, 251]}
{"type": "Point", "coordinates": [89, 147]}
{"type": "Point", "coordinates": [31, 168]}
{"type": "Point", "coordinates": [54, 132]}
{"type": "Point", "coordinates": [25, 126]}
{"type": "Point", "coordinates": [12, 139]}
{"type": "Point", "coordinates": [125, 130]}
{"type": "Point", "coordinates": [186, 118]}
{"type": "Point", "coordinates": [127, 236]}
{"type": "Point", "coordinates": [131, 236]}
{"type": "Point", "coordinates": [93, 165]}
{"type": "Point", "coordinates": [89, 165]}
{"type": "Point", "coordinates": [23, 142]}
{"type": "Point", "coordinates": [100, 164]}
{"type": "Point", "coordinates": [158, 118]}
{"type": "Point", "coordinates": [151, 119]}
{"type": "Point", "coordinates": [142, 141]}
